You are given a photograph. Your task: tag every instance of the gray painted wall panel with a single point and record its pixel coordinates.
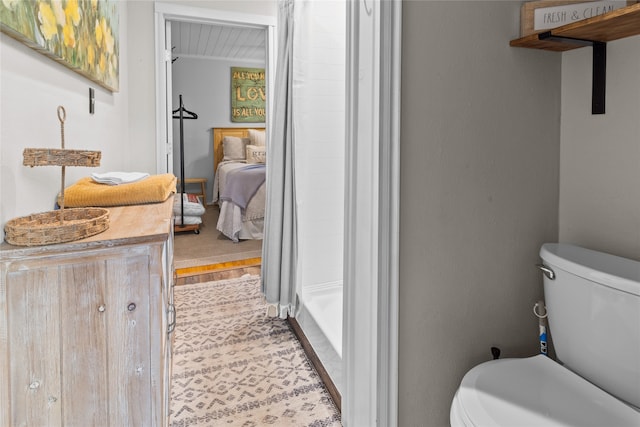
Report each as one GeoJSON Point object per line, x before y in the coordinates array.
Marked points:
{"type": "Point", "coordinates": [600, 167]}
{"type": "Point", "coordinates": [479, 195]}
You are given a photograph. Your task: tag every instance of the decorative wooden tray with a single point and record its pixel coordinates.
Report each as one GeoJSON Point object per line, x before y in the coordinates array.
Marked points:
{"type": "Point", "coordinates": [59, 226]}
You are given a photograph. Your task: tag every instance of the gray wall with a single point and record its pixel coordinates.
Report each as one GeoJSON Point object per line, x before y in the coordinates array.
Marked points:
{"type": "Point", "coordinates": [205, 86]}
{"type": "Point", "coordinates": [32, 86]}
{"type": "Point", "coordinates": [600, 161]}
{"type": "Point", "coordinates": [479, 195]}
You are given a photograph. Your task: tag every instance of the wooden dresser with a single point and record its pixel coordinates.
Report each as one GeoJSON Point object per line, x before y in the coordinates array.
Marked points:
{"type": "Point", "coordinates": [85, 325]}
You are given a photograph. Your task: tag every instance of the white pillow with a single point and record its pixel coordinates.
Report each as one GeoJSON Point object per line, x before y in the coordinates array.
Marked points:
{"type": "Point", "coordinates": [256, 154]}
{"type": "Point", "coordinates": [257, 137]}
{"type": "Point", "coordinates": [234, 148]}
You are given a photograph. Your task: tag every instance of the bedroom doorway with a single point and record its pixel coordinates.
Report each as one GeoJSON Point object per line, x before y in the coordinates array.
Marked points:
{"type": "Point", "coordinates": [203, 19]}
{"type": "Point", "coordinates": [199, 50]}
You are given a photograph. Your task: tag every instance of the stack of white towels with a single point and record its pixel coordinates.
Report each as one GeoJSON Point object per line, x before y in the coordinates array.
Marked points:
{"type": "Point", "coordinates": [117, 178]}
{"type": "Point", "coordinates": [192, 208]}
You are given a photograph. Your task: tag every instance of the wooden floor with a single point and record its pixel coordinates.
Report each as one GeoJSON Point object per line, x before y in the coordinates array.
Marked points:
{"type": "Point", "coordinates": [211, 256]}
{"type": "Point", "coordinates": [221, 271]}
{"type": "Point", "coordinates": [210, 246]}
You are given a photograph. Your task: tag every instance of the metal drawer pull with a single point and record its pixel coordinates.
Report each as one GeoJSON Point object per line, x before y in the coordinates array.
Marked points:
{"type": "Point", "coordinates": [171, 311]}
{"type": "Point", "coordinates": [547, 271]}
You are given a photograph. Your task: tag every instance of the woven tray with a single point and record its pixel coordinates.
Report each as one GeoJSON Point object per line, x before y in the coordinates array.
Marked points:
{"type": "Point", "coordinates": [60, 157]}
{"type": "Point", "coordinates": [46, 228]}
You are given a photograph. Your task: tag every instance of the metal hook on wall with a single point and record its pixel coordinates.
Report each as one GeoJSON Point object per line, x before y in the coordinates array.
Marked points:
{"type": "Point", "coordinates": [366, 7]}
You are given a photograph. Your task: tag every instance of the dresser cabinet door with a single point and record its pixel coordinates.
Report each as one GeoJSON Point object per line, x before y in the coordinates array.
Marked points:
{"type": "Point", "coordinates": [78, 337]}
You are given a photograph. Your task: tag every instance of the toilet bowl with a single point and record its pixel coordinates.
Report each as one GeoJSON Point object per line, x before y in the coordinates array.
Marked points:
{"type": "Point", "coordinates": [593, 302]}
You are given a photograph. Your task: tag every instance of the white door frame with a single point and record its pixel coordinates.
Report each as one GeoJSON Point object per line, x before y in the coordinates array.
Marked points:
{"type": "Point", "coordinates": [370, 330]}
{"type": "Point", "coordinates": [371, 278]}
{"type": "Point", "coordinates": [165, 12]}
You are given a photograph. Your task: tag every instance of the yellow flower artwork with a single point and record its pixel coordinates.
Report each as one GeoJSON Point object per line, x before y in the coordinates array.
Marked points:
{"type": "Point", "coordinates": [81, 34]}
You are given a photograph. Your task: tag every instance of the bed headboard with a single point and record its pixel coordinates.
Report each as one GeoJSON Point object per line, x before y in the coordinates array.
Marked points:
{"type": "Point", "coordinates": [219, 134]}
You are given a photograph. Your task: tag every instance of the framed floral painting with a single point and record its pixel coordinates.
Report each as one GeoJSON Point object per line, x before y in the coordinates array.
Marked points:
{"type": "Point", "coordinates": [80, 34]}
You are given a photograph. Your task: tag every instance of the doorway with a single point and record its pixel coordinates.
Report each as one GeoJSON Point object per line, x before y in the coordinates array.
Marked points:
{"type": "Point", "coordinates": [198, 47]}
{"type": "Point", "coordinates": [372, 184]}
{"type": "Point", "coordinates": [192, 19]}
{"type": "Point", "coordinates": [206, 58]}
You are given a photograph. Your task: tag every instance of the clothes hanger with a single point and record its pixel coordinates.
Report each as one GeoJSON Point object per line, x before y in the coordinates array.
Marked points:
{"type": "Point", "coordinates": [189, 114]}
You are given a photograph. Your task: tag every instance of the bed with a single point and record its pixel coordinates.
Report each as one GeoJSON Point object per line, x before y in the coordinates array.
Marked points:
{"type": "Point", "coordinates": [239, 186]}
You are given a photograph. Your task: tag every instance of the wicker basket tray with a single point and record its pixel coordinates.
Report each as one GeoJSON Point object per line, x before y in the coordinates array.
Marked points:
{"type": "Point", "coordinates": [46, 228]}
{"type": "Point", "coordinates": [60, 157]}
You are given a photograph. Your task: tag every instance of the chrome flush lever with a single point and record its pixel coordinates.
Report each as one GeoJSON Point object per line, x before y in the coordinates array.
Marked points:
{"type": "Point", "coordinates": [547, 271]}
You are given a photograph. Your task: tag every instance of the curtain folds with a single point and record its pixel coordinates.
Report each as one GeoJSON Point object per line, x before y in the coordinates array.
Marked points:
{"type": "Point", "coordinates": [280, 241]}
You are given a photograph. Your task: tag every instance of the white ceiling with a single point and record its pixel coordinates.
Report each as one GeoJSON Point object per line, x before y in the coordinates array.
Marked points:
{"type": "Point", "coordinates": [218, 41]}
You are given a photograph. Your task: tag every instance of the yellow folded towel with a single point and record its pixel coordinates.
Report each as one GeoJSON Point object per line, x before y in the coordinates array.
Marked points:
{"type": "Point", "coordinates": [87, 192]}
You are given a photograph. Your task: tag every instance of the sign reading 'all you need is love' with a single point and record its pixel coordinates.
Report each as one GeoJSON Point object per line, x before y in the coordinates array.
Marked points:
{"type": "Point", "coordinates": [248, 97]}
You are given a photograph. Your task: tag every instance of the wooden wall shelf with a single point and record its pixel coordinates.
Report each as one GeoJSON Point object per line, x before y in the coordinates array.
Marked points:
{"type": "Point", "coordinates": [618, 24]}
{"type": "Point", "coordinates": [595, 32]}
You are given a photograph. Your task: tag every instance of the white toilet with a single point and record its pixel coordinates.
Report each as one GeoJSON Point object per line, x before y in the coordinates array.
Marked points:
{"type": "Point", "coordinates": [593, 304]}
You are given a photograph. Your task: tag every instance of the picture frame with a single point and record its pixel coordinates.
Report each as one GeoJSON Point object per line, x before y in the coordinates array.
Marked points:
{"type": "Point", "coordinates": [79, 34]}
{"type": "Point", "coordinates": [248, 96]}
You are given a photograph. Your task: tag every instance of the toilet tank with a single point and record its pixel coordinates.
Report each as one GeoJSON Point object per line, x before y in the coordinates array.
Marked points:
{"type": "Point", "coordinates": [593, 306]}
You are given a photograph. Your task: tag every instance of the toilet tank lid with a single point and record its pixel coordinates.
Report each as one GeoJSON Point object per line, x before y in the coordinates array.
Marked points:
{"type": "Point", "coordinates": [609, 270]}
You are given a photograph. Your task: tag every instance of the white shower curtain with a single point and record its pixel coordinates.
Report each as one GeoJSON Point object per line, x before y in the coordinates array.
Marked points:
{"type": "Point", "coordinates": [280, 242]}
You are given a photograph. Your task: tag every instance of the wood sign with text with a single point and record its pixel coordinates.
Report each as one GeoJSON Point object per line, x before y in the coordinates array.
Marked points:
{"type": "Point", "coordinates": [542, 15]}
{"type": "Point", "coordinates": [248, 97]}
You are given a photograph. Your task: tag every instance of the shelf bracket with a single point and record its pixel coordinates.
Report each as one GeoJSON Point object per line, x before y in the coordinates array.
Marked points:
{"type": "Point", "coordinates": [599, 76]}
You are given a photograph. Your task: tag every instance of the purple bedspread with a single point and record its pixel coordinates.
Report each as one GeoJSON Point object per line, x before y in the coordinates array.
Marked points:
{"type": "Point", "coordinates": [242, 184]}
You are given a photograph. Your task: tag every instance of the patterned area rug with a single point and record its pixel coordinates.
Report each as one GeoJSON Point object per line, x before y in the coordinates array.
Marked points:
{"type": "Point", "coordinates": [233, 366]}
